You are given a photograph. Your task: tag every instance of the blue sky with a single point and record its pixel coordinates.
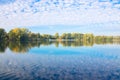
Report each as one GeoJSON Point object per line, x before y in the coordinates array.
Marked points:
{"type": "Point", "coordinates": [51, 16]}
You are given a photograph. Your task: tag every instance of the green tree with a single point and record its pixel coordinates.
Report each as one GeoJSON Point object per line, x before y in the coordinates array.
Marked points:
{"type": "Point", "coordinates": [3, 35]}
{"type": "Point", "coordinates": [19, 34]}
{"type": "Point", "coordinates": [63, 36]}
{"type": "Point", "coordinates": [56, 35]}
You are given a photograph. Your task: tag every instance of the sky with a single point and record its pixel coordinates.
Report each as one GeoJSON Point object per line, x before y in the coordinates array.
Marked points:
{"type": "Point", "coordinates": [51, 16]}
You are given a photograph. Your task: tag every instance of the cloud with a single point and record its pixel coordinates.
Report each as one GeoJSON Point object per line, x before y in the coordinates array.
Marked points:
{"type": "Point", "coordinates": [58, 12]}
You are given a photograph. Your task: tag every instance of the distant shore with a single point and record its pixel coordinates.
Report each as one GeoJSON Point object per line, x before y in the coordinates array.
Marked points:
{"type": "Point", "coordinates": [23, 34]}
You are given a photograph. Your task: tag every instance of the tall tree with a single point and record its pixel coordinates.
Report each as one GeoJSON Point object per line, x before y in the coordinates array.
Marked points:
{"type": "Point", "coordinates": [18, 34]}
{"type": "Point", "coordinates": [56, 35]}
{"type": "Point", "coordinates": [3, 34]}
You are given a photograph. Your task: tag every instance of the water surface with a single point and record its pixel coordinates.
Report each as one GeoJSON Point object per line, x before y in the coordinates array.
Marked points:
{"type": "Point", "coordinates": [58, 62]}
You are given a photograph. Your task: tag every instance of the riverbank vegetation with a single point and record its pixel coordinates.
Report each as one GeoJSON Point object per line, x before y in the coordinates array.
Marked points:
{"type": "Point", "coordinates": [21, 40]}
{"type": "Point", "coordinates": [22, 34]}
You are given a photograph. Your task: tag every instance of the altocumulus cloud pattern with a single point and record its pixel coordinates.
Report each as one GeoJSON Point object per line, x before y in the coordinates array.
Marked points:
{"type": "Point", "coordinates": [51, 12]}
{"type": "Point", "coordinates": [25, 6]}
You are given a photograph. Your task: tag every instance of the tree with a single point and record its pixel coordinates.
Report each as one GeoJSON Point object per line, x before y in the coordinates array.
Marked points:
{"type": "Point", "coordinates": [38, 35]}
{"type": "Point", "coordinates": [19, 34]}
{"type": "Point", "coordinates": [68, 36]}
{"type": "Point", "coordinates": [56, 35]}
{"type": "Point", "coordinates": [3, 34]}
{"type": "Point", "coordinates": [63, 36]}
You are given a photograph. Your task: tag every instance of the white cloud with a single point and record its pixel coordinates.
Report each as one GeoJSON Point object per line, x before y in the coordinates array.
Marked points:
{"type": "Point", "coordinates": [67, 12]}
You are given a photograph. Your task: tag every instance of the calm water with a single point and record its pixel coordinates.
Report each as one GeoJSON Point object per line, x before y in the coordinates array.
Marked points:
{"type": "Point", "coordinates": [58, 62]}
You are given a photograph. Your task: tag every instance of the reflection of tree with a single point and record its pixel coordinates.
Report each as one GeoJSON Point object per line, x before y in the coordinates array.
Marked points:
{"type": "Point", "coordinates": [18, 46]}
{"type": "Point", "coordinates": [3, 46]}
{"type": "Point", "coordinates": [23, 47]}
{"type": "Point", "coordinates": [76, 43]}
{"type": "Point", "coordinates": [21, 40]}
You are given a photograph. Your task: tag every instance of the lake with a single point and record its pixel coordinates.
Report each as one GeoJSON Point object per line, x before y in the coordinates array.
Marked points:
{"type": "Point", "coordinates": [59, 61]}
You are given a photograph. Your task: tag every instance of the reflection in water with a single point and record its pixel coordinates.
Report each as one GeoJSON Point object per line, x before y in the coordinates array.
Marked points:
{"type": "Point", "coordinates": [23, 47]}
{"type": "Point", "coordinates": [3, 46]}
{"type": "Point", "coordinates": [60, 60]}
{"type": "Point", "coordinates": [91, 63]}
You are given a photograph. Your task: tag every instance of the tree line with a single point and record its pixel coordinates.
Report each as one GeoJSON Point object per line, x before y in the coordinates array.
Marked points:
{"type": "Point", "coordinates": [23, 34]}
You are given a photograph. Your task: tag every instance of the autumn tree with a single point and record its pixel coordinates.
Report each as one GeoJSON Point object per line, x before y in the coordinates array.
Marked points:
{"type": "Point", "coordinates": [18, 34]}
